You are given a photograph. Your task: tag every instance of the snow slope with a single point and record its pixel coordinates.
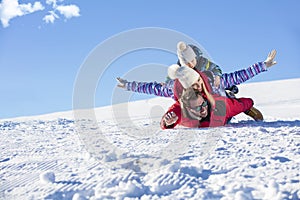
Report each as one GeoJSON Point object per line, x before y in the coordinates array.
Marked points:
{"type": "Point", "coordinates": [125, 154]}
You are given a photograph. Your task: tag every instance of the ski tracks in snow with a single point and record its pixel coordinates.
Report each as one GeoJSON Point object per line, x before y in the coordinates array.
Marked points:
{"type": "Point", "coordinates": [240, 161]}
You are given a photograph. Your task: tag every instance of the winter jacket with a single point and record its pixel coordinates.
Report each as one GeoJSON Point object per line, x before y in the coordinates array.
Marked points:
{"type": "Point", "coordinates": [218, 115]}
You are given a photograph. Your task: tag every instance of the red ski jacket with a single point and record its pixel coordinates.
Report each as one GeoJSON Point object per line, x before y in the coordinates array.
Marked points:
{"type": "Point", "coordinates": [224, 109]}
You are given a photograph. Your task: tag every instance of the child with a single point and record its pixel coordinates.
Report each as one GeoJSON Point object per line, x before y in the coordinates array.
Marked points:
{"type": "Point", "coordinates": [187, 56]}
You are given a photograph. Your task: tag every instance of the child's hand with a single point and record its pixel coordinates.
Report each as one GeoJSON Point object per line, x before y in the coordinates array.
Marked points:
{"type": "Point", "coordinates": [270, 59]}
{"type": "Point", "coordinates": [121, 82]}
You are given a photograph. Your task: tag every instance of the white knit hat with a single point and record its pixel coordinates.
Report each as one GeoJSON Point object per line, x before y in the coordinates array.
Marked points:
{"type": "Point", "coordinates": [186, 75]}
{"type": "Point", "coordinates": [185, 53]}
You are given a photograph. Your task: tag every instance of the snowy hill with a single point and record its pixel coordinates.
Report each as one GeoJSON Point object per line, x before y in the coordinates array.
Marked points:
{"type": "Point", "coordinates": [123, 153]}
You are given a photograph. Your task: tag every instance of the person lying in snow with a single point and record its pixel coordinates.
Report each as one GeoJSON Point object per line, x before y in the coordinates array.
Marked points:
{"type": "Point", "coordinates": [219, 108]}
{"type": "Point", "coordinates": [195, 111]}
{"type": "Point", "coordinates": [217, 80]}
{"type": "Point", "coordinates": [198, 107]}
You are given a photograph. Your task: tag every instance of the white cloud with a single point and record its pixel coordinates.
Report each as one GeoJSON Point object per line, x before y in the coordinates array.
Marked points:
{"type": "Point", "coordinates": [50, 18]}
{"type": "Point", "coordinates": [49, 2]}
{"type": "Point", "coordinates": [53, 2]}
{"type": "Point", "coordinates": [10, 9]}
{"type": "Point", "coordinates": [69, 11]}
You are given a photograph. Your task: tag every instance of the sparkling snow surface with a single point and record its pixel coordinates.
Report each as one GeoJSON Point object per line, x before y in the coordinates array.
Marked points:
{"type": "Point", "coordinates": [124, 154]}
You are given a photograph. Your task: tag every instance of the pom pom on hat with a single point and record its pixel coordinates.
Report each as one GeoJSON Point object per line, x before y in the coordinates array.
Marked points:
{"type": "Point", "coordinates": [185, 53]}
{"type": "Point", "coordinates": [186, 76]}
{"type": "Point", "coordinates": [181, 46]}
{"type": "Point", "coordinates": [172, 70]}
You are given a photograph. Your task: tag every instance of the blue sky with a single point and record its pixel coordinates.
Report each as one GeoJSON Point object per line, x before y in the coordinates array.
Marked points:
{"type": "Point", "coordinates": [44, 44]}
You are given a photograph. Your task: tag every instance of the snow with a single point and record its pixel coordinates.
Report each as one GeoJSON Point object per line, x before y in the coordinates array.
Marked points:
{"type": "Point", "coordinates": [125, 155]}
{"type": "Point", "coordinates": [47, 177]}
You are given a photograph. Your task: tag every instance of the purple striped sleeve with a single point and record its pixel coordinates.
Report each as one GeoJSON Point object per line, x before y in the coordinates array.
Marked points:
{"type": "Point", "coordinates": [241, 76]}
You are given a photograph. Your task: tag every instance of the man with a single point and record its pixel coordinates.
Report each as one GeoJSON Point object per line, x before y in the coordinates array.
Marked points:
{"type": "Point", "coordinates": [193, 110]}
{"type": "Point", "coordinates": [219, 108]}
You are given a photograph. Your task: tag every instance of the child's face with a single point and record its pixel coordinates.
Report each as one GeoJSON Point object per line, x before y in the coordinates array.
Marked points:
{"type": "Point", "coordinates": [193, 63]}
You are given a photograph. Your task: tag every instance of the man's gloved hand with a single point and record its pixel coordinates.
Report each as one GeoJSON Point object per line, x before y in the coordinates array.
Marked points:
{"type": "Point", "coordinates": [170, 118]}
{"type": "Point", "coordinates": [270, 59]}
{"type": "Point", "coordinates": [121, 82]}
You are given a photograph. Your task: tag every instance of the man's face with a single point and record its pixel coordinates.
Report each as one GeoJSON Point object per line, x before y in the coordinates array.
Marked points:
{"type": "Point", "coordinates": [199, 107]}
